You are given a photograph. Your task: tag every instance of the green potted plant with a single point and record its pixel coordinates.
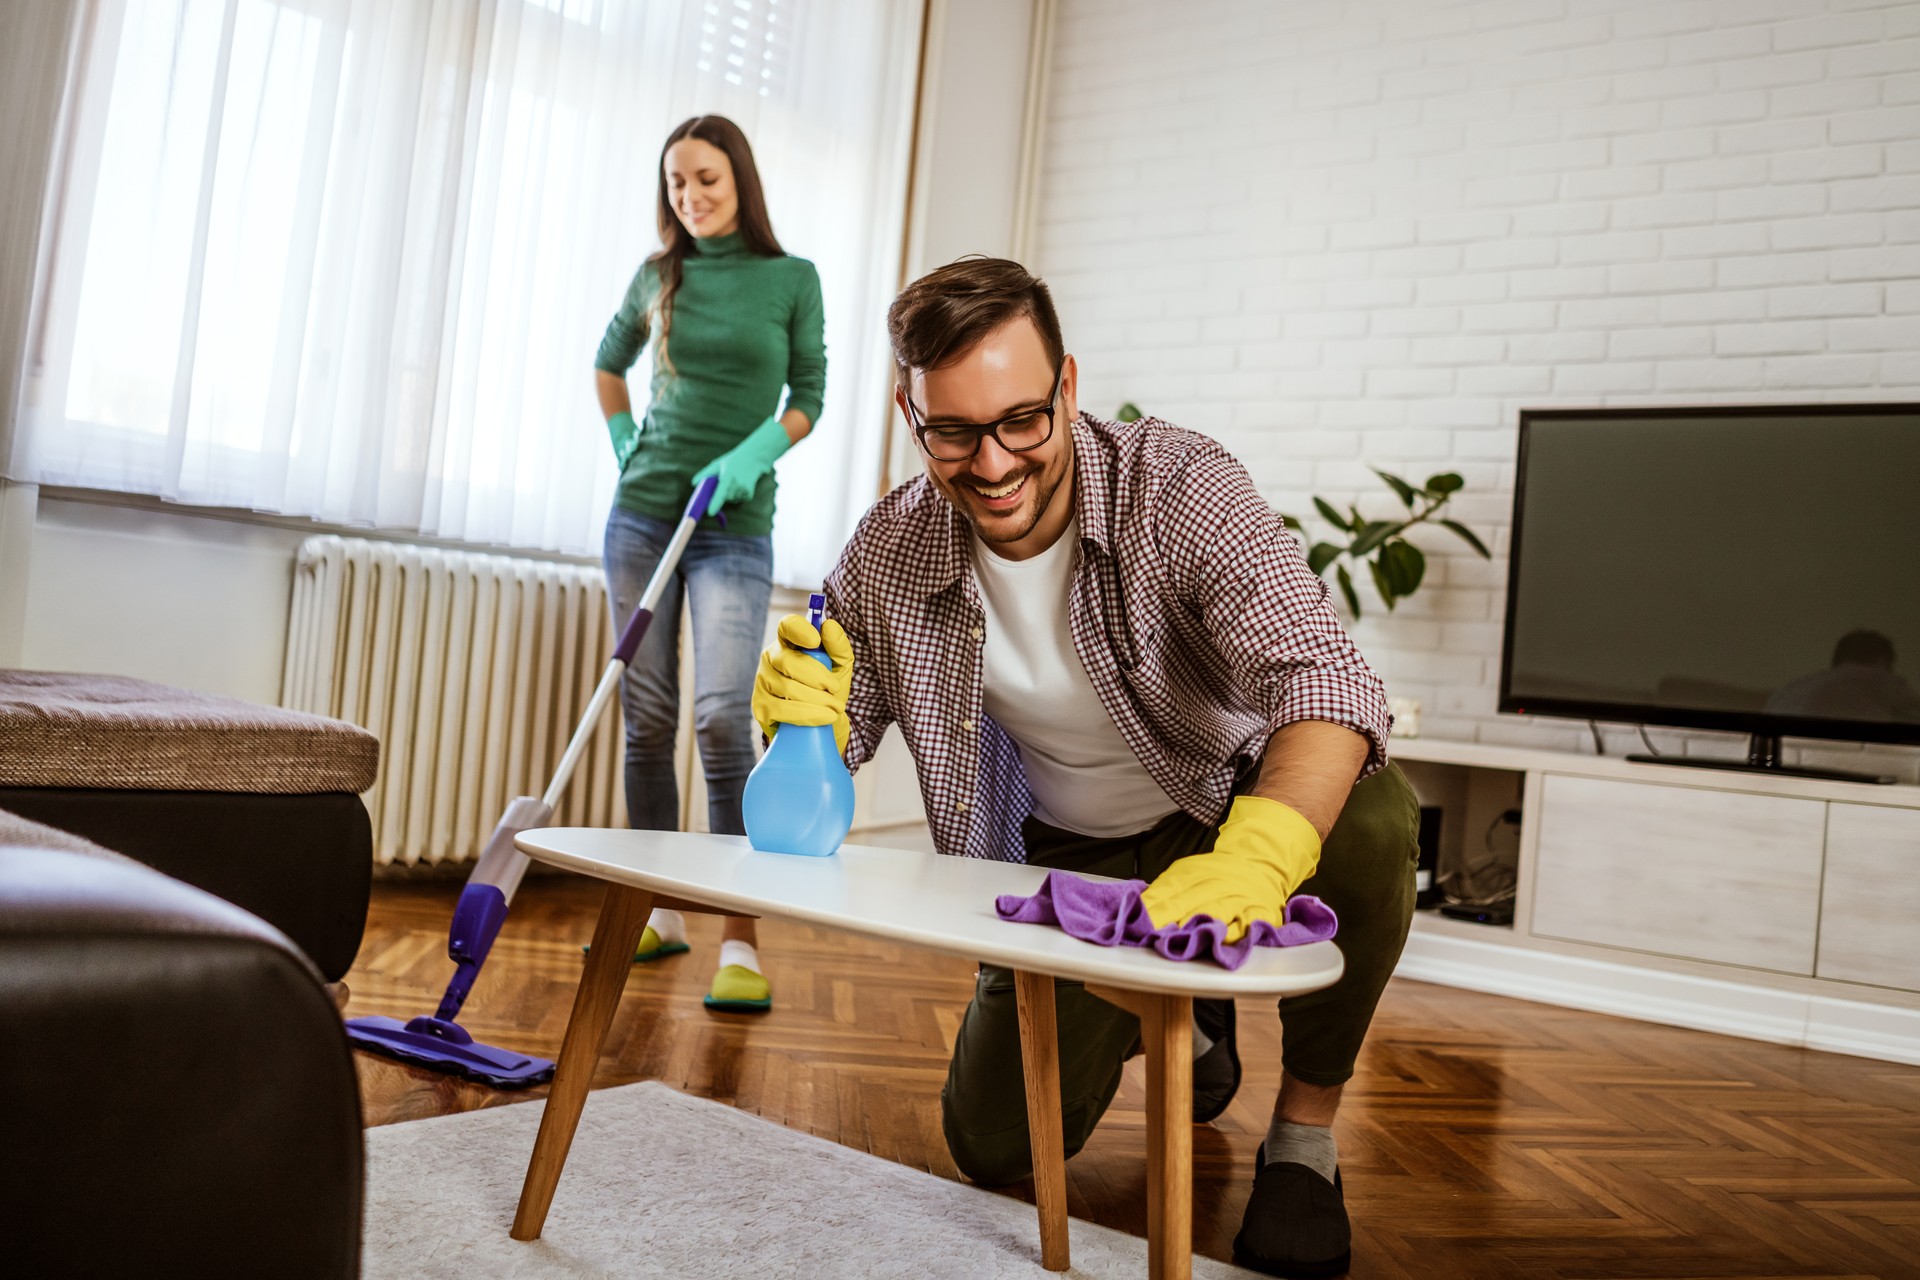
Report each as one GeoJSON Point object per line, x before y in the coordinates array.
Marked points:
{"type": "Point", "coordinates": [1396, 564]}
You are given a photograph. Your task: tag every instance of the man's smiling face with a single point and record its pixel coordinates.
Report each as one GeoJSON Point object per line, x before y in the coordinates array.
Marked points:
{"type": "Point", "coordinates": [1019, 502]}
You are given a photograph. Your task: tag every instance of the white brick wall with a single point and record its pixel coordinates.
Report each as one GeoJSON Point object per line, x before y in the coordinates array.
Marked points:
{"type": "Point", "coordinates": [1334, 235]}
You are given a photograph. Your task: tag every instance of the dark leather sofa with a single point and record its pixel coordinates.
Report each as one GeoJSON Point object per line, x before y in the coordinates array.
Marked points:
{"type": "Point", "coordinates": [179, 1096]}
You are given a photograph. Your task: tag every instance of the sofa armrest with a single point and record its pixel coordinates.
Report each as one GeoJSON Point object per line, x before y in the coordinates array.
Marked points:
{"type": "Point", "coordinates": [182, 1098]}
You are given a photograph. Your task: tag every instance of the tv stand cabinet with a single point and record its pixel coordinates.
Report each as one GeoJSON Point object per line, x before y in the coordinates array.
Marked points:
{"type": "Point", "coordinates": [1775, 907]}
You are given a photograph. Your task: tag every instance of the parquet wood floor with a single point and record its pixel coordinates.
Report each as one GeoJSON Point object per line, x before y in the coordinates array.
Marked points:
{"type": "Point", "coordinates": [1481, 1137]}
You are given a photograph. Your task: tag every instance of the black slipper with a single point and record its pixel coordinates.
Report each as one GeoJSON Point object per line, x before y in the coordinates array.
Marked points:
{"type": "Point", "coordinates": [1296, 1223]}
{"type": "Point", "coordinates": [1216, 1073]}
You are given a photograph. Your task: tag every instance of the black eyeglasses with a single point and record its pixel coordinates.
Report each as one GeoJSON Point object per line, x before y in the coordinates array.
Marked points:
{"type": "Point", "coordinates": [1016, 433]}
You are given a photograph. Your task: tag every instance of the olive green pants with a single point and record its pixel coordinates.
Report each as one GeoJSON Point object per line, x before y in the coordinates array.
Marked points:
{"type": "Point", "coordinates": [1365, 875]}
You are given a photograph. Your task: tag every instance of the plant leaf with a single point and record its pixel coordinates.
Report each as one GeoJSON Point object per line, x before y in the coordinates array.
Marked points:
{"type": "Point", "coordinates": [1404, 566]}
{"type": "Point", "coordinates": [1398, 485]}
{"type": "Point", "coordinates": [1293, 523]}
{"type": "Point", "coordinates": [1381, 584]}
{"type": "Point", "coordinates": [1129, 412]}
{"type": "Point", "coordinates": [1445, 483]}
{"type": "Point", "coordinates": [1332, 517]}
{"type": "Point", "coordinates": [1375, 533]}
{"type": "Point", "coordinates": [1346, 589]}
{"type": "Point", "coordinates": [1322, 555]}
{"type": "Point", "coordinates": [1472, 541]}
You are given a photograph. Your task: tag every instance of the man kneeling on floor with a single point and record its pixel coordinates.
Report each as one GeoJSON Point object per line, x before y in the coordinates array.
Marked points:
{"type": "Point", "coordinates": [1107, 655]}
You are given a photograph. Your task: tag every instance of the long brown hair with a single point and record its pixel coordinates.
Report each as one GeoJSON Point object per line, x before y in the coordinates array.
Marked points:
{"type": "Point", "coordinates": [677, 242]}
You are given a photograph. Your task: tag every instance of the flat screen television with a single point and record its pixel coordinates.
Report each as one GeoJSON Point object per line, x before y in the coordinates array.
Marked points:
{"type": "Point", "coordinates": [1746, 568]}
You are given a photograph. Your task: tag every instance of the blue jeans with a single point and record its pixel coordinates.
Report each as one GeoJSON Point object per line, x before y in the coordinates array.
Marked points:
{"type": "Point", "coordinates": [728, 583]}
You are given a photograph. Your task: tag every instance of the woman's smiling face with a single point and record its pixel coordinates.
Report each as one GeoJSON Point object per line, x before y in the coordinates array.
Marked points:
{"type": "Point", "coordinates": [700, 185]}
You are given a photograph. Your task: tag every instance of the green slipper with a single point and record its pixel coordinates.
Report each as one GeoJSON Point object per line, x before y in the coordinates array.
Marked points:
{"type": "Point", "coordinates": [738, 989]}
{"type": "Point", "coordinates": [650, 948]}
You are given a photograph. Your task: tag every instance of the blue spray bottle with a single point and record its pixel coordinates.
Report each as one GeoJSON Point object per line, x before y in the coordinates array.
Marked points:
{"type": "Point", "coordinates": [799, 798]}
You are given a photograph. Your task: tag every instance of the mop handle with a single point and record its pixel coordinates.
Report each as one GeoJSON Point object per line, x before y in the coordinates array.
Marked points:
{"type": "Point", "coordinates": [629, 641]}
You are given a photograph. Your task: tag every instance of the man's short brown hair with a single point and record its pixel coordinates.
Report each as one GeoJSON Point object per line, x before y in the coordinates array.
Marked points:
{"type": "Point", "coordinates": [940, 316]}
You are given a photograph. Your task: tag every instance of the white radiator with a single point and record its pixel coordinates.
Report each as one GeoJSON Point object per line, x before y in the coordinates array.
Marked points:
{"type": "Point", "coordinates": [472, 670]}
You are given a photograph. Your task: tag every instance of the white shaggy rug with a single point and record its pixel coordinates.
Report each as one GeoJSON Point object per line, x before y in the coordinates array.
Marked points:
{"type": "Point", "coordinates": [728, 1195]}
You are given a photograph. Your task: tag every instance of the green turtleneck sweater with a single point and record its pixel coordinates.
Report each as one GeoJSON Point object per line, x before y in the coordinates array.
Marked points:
{"type": "Point", "coordinates": [743, 327]}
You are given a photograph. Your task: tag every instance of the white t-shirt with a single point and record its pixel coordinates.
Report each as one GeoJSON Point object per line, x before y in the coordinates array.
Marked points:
{"type": "Point", "coordinates": [1083, 775]}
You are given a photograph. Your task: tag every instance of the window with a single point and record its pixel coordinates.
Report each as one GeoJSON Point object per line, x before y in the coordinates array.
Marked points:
{"type": "Point", "coordinates": [352, 261]}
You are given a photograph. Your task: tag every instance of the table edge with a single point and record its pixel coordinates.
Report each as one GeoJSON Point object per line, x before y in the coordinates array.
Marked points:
{"type": "Point", "coordinates": [1222, 983]}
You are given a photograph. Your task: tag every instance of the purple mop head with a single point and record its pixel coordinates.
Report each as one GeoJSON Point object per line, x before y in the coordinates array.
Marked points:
{"type": "Point", "coordinates": [433, 1042]}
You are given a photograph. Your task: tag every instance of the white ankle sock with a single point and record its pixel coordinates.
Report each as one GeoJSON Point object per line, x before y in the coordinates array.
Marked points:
{"type": "Point", "coordinates": [733, 951]}
{"type": "Point", "coordinates": [670, 925]}
{"type": "Point", "coordinates": [1306, 1144]}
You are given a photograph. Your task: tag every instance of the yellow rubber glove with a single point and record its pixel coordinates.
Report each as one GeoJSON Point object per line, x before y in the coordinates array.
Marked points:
{"type": "Point", "coordinates": [1264, 852]}
{"type": "Point", "coordinates": [792, 687]}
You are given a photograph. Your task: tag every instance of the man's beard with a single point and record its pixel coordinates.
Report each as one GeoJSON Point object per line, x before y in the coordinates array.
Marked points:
{"type": "Point", "coordinates": [1043, 487]}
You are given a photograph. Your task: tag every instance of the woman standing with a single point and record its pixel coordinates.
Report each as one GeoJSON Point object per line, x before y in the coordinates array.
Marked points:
{"type": "Point", "coordinates": [732, 318]}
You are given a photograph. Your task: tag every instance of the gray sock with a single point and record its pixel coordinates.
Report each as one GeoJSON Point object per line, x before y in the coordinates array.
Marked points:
{"type": "Point", "coordinates": [1306, 1144]}
{"type": "Point", "coordinates": [1201, 1041]}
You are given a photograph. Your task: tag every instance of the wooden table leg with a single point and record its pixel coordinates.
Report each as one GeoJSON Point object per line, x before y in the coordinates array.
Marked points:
{"type": "Point", "coordinates": [1040, 1063]}
{"type": "Point", "coordinates": [623, 915]}
{"type": "Point", "coordinates": [1168, 1032]}
{"type": "Point", "coordinates": [1166, 1027]}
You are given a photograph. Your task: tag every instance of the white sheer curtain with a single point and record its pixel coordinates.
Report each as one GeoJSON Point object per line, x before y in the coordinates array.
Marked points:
{"type": "Point", "coordinates": [350, 259]}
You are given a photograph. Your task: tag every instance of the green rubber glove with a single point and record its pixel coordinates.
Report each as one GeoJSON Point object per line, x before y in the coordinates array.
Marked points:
{"type": "Point", "coordinates": [1265, 850]}
{"type": "Point", "coordinates": [626, 437]}
{"type": "Point", "coordinates": [742, 467]}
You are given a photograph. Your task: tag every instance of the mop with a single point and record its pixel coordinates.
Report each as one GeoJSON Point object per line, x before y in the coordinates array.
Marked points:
{"type": "Point", "coordinates": [436, 1041]}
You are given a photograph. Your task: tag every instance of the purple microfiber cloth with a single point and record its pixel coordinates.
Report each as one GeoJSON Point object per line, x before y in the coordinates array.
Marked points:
{"type": "Point", "coordinates": [1109, 912]}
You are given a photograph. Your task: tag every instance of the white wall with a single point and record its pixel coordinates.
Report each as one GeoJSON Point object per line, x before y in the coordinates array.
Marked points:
{"type": "Point", "coordinates": [185, 600]}
{"type": "Point", "coordinates": [965, 199]}
{"type": "Point", "coordinates": [1335, 235]}
{"type": "Point", "coordinates": [34, 40]}
{"type": "Point", "coordinates": [973, 112]}
{"type": "Point", "coordinates": [975, 109]}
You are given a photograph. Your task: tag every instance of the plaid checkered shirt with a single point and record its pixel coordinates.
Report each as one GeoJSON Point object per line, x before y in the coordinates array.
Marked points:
{"type": "Point", "coordinates": [1192, 610]}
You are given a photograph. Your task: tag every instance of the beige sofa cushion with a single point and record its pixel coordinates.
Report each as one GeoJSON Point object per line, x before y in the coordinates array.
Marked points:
{"type": "Point", "coordinates": [66, 730]}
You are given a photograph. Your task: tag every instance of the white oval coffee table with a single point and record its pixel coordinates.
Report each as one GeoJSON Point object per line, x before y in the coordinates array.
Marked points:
{"type": "Point", "coordinates": [940, 903]}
